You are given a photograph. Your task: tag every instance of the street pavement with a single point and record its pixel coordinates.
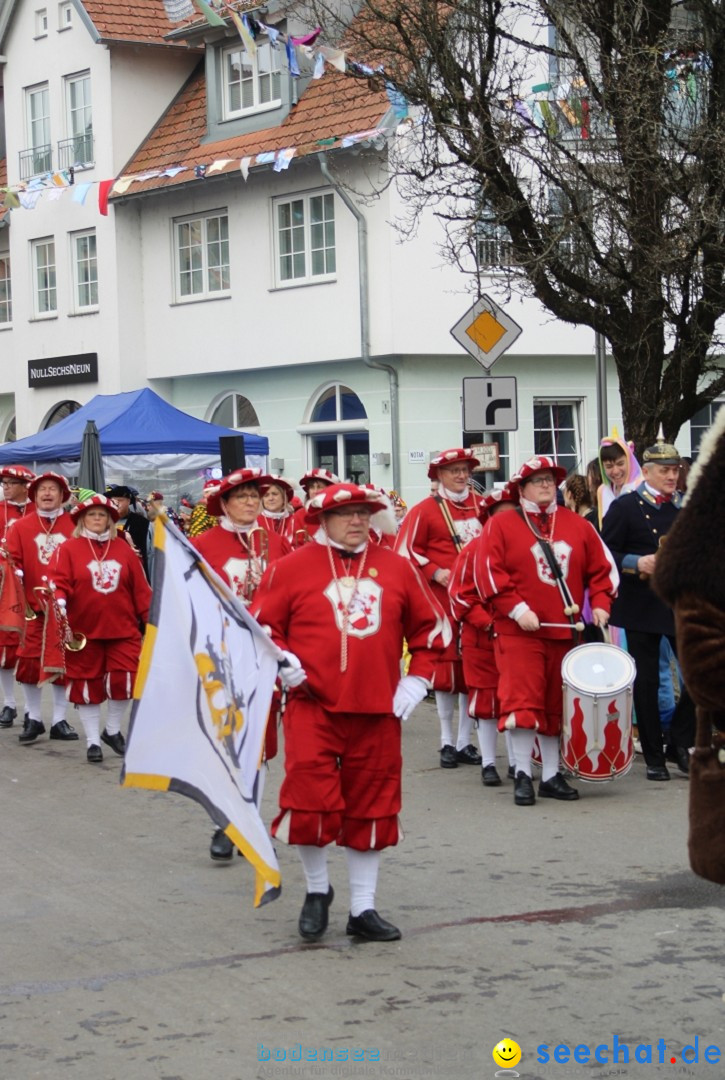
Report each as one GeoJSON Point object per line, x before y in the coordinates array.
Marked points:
{"type": "Point", "coordinates": [126, 953]}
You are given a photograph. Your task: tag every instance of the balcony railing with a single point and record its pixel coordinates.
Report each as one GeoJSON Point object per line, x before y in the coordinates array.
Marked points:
{"type": "Point", "coordinates": [76, 152]}
{"type": "Point", "coordinates": [36, 161]}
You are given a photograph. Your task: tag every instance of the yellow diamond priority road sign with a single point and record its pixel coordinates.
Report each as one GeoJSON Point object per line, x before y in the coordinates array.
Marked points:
{"type": "Point", "coordinates": [486, 331]}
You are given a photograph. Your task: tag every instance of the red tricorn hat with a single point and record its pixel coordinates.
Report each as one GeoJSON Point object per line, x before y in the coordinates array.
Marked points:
{"type": "Point", "coordinates": [339, 495]}
{"type": "Point", "coordinates": [538, 464]}
{"type": "Point", "coordinates": [506, 494]}
{"type": "Point", "coordinates": [325, 475]}
{"type": "Point", "coordinates": [234, 480]}
{"type": "Point", "coordinates": [16, 472]}
{"type": "Point", "coordinates": [451, 457]}
{"type": "Point", "coordinates": [95, 500]}
{"type": "Point", "coordinates": [59, 480]}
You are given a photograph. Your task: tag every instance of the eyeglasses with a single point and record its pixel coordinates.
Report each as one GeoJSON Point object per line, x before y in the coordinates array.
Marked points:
{"type": "Point", "coordinates": [350, 514]}
{"type": "Point", "coordinates": [541, 481]}
{"type": "Point", "coordinates": [248, 496]}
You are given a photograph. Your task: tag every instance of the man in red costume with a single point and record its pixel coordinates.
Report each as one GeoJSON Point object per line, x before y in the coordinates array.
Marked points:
{"type": "Point", "coordinates": [431, 536]}
{"type": "Point", "coordinates": [15, 505]}
{"type": "Point", "coordinates": [340, 607]}
{"type": "Point", "coordinates": [239, 548]}
{"type": "Point", "coordinates": [536, 564]}
{"type": "Point", "coordinates": [31, 544]}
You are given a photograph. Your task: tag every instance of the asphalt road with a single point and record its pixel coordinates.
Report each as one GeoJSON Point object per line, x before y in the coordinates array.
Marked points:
{"type": "Point", "coordinates": [126, 953]}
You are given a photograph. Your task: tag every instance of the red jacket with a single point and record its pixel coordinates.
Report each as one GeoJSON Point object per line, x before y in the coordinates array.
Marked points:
{"type": "Point", "coordinates": [104, 586]}
{"type": "Point", "coordinates": [31, 544]}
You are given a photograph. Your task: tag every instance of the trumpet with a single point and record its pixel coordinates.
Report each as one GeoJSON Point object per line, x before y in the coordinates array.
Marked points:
{"type": "Point", "coordinates": [69, 640]}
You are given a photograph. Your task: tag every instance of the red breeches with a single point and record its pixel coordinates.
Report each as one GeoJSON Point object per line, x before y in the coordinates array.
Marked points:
{"type": "Point", "coordinates": [342, 778]}
{"type": "Point", "coordinates": [480, 673]}
{"type": "Point", "coordinates": [103, 669]}
{"type": "Point", "coordinates": [530, 682]}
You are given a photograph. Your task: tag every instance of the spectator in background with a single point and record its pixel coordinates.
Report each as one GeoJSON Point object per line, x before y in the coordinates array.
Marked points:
{"type": "Point", "coordinates": [134, 524]}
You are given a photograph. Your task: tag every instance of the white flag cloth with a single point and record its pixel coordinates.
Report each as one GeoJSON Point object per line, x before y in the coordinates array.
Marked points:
{"type": "Point", "coordinates": [202, 698]}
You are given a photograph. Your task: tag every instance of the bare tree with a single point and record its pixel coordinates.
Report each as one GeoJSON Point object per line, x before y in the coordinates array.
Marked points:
{"type": "Point", "coordinates": [583, 143]}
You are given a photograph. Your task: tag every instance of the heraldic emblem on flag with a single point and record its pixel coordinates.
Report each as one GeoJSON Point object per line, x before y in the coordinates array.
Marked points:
{"type": "Point", "coordinates": [201, 700]}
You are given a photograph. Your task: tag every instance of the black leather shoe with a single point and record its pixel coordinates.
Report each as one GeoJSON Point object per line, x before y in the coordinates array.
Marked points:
{"type": "Point", "coordinates": [469, 755]}
{"type": "Point", "coordinates": [31, 730]}
{"type": "Point", "coordinates": [94, 753]}
{"type": "Point", "coordinates": [369, 926]}
{"type": "Point", "coordinates": [523, 790]}
{"type": "Point", "coordinates": [678, 755]}
{"type": "Point", "coordinates": [511, 772]}
{"type": "Point", "coordinates": [490, 777]}
{"type": "Point", "coordinates": [63, 730]}
{"type": "Point", "coordinates": [7, 716]}
{"type": "Point", "coordinates": [314, 914]}
{"type": "Point", "coordinates": [449, 757]}
{"type": "Point", "coordinates": [557, 788]}
{"type": "Point", "coordinates": [657, 772]}
{"type": "Point", "coordinates": [221, 846]}
{"type": "Point", "coordinates": [116, 742]}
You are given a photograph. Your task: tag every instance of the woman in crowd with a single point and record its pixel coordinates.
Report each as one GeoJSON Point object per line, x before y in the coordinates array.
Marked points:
{"type": "Point", "coordinates": [99, 591]}
{"type": "Point", "coordinates": [277, 515]}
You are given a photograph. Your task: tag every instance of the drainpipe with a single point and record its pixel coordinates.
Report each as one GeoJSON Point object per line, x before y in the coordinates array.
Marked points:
{"type": "Point", "coordinates": [362, 247]}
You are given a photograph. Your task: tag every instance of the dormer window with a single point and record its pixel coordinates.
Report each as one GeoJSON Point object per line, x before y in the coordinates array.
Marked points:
{"type": "Point", "coordinates": [250, 83]}
{"type": "Point", "coordinates": [41, 22]}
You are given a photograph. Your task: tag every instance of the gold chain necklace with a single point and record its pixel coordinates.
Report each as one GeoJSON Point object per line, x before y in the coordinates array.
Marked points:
{"type": "Point", "coordinates": [348, 582]}
{"type": "Point", "coordinates": [99, 561]}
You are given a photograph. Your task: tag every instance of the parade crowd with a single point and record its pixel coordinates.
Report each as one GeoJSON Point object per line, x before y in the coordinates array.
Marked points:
{"type": "Point", "coordinates": [476, 599]}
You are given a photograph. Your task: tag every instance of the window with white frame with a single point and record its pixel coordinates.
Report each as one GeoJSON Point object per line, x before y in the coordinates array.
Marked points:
{"type": "Point", "coordinates": [65, 15]}
{"type": "Point", "coordinates": [493, 242]}
{"type": "Point", "coordinates": [701, 421]}
{"type": "Point", "coordinates": [337, 435]}
{"type": "Point", "coordinates": [77, 149]}
{"type": "Point", "coordinates": [235, 411]}
{"type": "Point", "coordinates": [37, 158]}
{"type": "Point", "coordinates": [45, 299]}
{"type": "Point", "coordinates": [6, 290]}
{"type": "Point", "coordinates": [201, 248]}
{"type": "Point", "coordinates": [41, 22]}
{"type": "Point", "coordinates": [250, 83]}
{"type": "Point", "coordinates": [557, 432]}
{"type": "Point", "coordinates": [305, 238]}
{"type": "Point", "coordinates": [85, 270]}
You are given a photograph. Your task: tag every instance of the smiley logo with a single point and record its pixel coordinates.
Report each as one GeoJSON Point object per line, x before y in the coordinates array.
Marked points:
{"type": "Point", "coordinates": [507, 1053]}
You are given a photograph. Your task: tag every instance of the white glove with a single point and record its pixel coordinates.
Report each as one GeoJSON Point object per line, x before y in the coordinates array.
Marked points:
{"type": "Point", "coordinates": [409, 692]}
{"type": "Point", "coordinates": [61, 603]}
{"type": "Point", "coordinates": [291, 672]}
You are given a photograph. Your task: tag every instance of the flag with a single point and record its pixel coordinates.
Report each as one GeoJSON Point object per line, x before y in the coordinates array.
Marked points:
{"type": "Point", "coordinates": [201, 700]}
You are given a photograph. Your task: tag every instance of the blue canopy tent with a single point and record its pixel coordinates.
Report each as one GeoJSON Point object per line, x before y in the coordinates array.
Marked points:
{"type": "Point", "coordinates": [145, 442]}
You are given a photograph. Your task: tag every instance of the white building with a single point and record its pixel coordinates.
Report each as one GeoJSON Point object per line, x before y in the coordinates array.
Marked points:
{"type": "Point", "coordinates": [262, 294]}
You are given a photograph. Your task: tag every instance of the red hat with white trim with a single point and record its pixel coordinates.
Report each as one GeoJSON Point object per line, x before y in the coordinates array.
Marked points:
{"type": "Point", "coordinates": [536, 465]}
{"type": "Point", "coordinates": [59, 480]}
{"type": "Point", "coordinates": [451, 457]}
{"type": "Point", "coordinates": [95, 500]}
{"type": "Point", "coordinates": [325, 475]}
{"type": "Point", "coordinates": [337, 496]}
{"type": "Point", "coordinates": [506, 494]}
{"type": "Point", "coordinates": [16, 472]}
{"type": "Point", "coordinates": [235, 479]}
{"type": "Point", "coordinates": [283, 485]}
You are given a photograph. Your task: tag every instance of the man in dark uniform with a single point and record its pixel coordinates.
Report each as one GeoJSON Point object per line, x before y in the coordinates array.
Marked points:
{"type": "Point", "coordinates": [633, 530]}
{"type": "Point", "coordinates": [135, 524]}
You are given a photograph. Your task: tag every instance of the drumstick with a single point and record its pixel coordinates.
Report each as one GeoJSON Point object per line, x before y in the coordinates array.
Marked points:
{"type": "Point", "coordinates": [579, 626]}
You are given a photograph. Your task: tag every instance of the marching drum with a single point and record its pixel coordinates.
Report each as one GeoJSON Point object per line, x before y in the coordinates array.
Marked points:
{"type": "Point", "coordinates": [596, 733]}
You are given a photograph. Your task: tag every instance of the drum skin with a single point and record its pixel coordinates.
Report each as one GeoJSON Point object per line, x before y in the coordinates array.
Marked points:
{"type": "Point", "coordinates": [596, 734]}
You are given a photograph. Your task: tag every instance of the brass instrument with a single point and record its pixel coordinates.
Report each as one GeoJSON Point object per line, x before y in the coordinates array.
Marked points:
{"type": "Point", "coordinates": [70, 641]}
{"type": "Point", "coordinates": [29, 613]}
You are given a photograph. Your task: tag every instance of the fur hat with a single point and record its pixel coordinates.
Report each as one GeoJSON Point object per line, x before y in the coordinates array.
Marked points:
{"type": "Point", "coordinates": [95, 500]}
{"type": "Point", "coordinates": [451, 457]}
{"type": "Point", "coordinates": [56, 477]}
{"type": "Point", "coordinates": [336, 496]}
{"type": "Point", "coordinates": [538, 464]}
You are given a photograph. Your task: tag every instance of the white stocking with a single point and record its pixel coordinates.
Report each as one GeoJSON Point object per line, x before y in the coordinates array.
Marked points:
{"type": "Point", "coordinates": [33, 700]}
{"type": "Point", "coordinates": [314, 864]}
{"type": "Point", "coordinates": [509, 747]}
{"type": "Point", "coordinates": [91, 719]}
{"type": "Point", "coordinates": [487, 731]}
{"type": "Point", "coordinates": [465, 723]}
{"type": "Point", "coordinates": [445, 704]}
{"type": "Point", "coordinates": [362, 869]}
{"type": "Point", "coordinates": [7, 678]}
{"type": "Point", "coordinates": [523, 744]}
{"type": "Point", "coordinates": [549, 756]}
{"type": "Point", "coordinates": [116, 710]}
{"type": "Point", "coordinates": [60, 704]}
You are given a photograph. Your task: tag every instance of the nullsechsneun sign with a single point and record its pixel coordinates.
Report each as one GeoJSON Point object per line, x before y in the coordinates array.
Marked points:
{"type": "Point", "coordinates": [53, 371]}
